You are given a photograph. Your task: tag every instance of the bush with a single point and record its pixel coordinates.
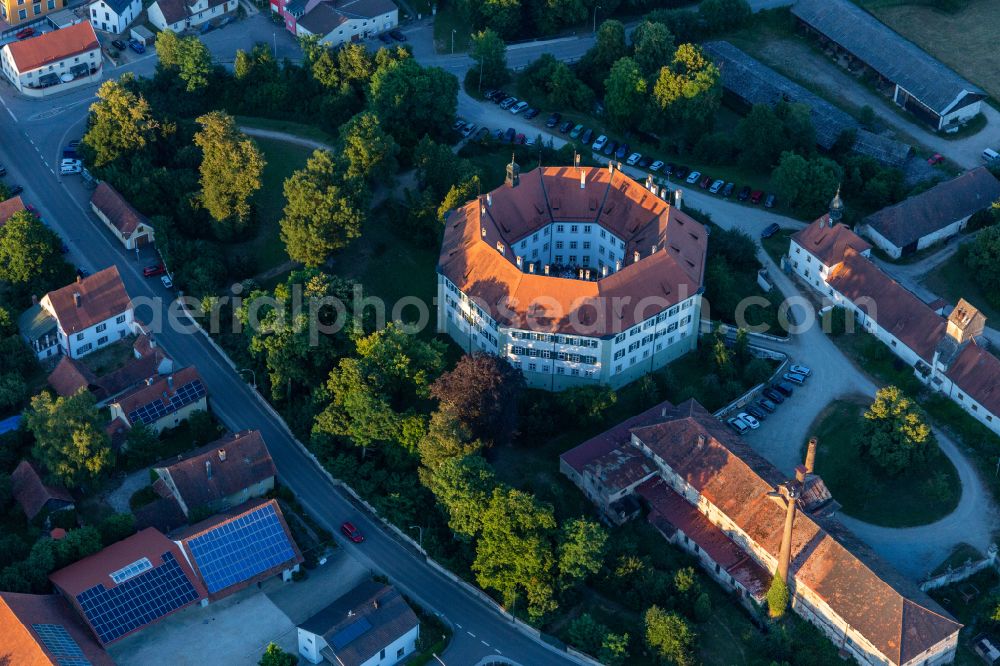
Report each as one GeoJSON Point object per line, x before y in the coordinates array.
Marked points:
{"type": "Point", "coordinates": [777, 598]}
{"type": "Point", "coordinates": [142, 497]}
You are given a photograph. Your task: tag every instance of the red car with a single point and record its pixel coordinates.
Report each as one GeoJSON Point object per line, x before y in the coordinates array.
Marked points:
{"type": "Point", "coordinates": [24, 34]}
{"type": "Point", "coordinates": [520, 139]}
{"type": "Point", "coordinates": [756, 196]}
{"type": "Point", "coordinates": [705, 182]}
{"type": "Point", "coordinates": [351, 532]}
{"type": "Point", "coordinates": [154, 270]}
{"type": "Point", "coordinates": [936, 158]}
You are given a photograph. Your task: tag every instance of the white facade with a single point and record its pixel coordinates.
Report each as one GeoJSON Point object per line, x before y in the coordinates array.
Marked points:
{"type": "Point", "coordinates": [198, 12]}
{"type": "Point", "coordinates": [310, 646]}
{"type": "Point", "coordinates": [104, 17]}
{"type": "Point", "coordinates": [923, 242]}
{"type": "Point", "coordinates": [558, 361]}
{"type": "Point", "coordinates": [80, 69]}
{"type": "Point", "coordinates": [354, 28]}
{"type": "Point", "coordinates": [81, 343]}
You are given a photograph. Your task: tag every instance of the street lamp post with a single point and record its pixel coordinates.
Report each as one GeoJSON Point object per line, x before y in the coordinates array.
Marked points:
{"type": "Point", "coordinates": [453, 31]}
{"type": "Point", "coordinates": [420, 538]}
{"type": "Point", "coordinates": [252, 374]}
{"type": "Point", "coordinates": [596, 7]}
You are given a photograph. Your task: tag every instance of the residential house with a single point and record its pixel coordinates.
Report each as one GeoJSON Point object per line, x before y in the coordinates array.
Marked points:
{"type": "Point", "coordinates": [162, 402]}
{"type": "Point", "coordinates": [37, 499]}
{"type": "Point", "coordinates": [128, 225]}
{"type": "Point", "coordinates": [14, 12]}
{"type": "Point", "coordinates": [222, 474]}
{"type": "Point", "coordinates": [114, 16]}
{"type": "Point", "coordinates": [337, 22]}
{"type": "Point", "coordinates": [715, 497]}
{"type": "Point", "coordinates": [241, 547]}
{"type": "Point", "coordinates": [932, 216]}
{"type": "Point", "coordinates": [920, 84]}
{"type": "Point", "coordinates": [149, 360]}
{"type": "Point", "coordinates": [53, 62]}
{"type": "Point", "coordinates": [9, 207]}
{"type": "Point", "coordinates": [129, 585]}
{"type": "Point", "coordinates": [42, 630]}
{"type": "Point", "coordinates": [372, 625]}
{"type": "Point", "coordinates": [179, 15]}
{"type": "Point", "coordinates": [79, 318]}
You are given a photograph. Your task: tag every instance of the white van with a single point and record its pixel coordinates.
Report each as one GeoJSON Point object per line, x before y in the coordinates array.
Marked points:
{"type": "Point", "coordinates": [990, 155]}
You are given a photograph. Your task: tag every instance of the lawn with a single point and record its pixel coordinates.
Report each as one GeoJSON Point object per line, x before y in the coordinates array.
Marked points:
{"type": "Point", "coordinates": [974, 26]}
{"type": "Point", "coordinates": [777, 245]}
{"type": "Point", "coordinates": [973, 614]}
{"type": "Point", "coordinates": [919, 496]}
{"type": "Point", "coordinates": [951, 280]}
{"type": "Point", "coordinates": [266, 249]}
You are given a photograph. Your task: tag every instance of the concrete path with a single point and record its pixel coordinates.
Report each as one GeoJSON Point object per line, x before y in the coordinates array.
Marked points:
{"type": "Point", "coordinates": [285, 136]}
{"type": "Point", "coordinates": [119, 497]}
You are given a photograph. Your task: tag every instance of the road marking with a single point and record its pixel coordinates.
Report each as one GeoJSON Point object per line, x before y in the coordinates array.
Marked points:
{"type": "Point", "coordinates": [497, 651]}
{"type": "Point", "coordinates": [458, 625]}
{"type": "Point", "coordinates": [484, 643]}
{"type": "Point", "coordinates": [471, 634]}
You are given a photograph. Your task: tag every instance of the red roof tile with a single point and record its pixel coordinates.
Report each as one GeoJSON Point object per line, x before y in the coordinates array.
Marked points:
{"type": "Point", "coordinates": [102, 296]}
{"type": "Point", "coordinates": [24, 645]}
{"type": "Point", "coordinates": [119, 212]}
{"type": "Point", "coordinates": [580, 456]}
{"type": "Point", "coordinates": [977, 372]}
{"type": "Point", "coordinates": [161, 388]}
{"type": "Point", "coordinates": [53, 46]}
{"type": "Point", "coordinates": [828, 244]}
{"type": "Point", "coordinates": [9, 207]}
{"type": "Point", "coordinates": [69, 376]}
{"type": "Point", "coordinates": [31, 492]}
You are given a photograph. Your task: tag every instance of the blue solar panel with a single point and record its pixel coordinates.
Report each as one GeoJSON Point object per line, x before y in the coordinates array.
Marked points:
{"type": "Point", "coordinates": [138, 601]}
{"type": "Point", "coordinates": [242, 548]}
{"type": "Point", "coordinates": [156, 410]}
{"type": "Point", "coordinates": [343, 638]}
{"type": "Point", "coordinates": [61, 645]}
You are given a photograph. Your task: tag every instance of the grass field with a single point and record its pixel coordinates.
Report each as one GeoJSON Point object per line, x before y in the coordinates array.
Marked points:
{"type": "Point", "coordinates": [965, 40]}
{"type": "Point", "coordinates": [951, 280]}
{"type": "Point", "coordinates": [919, 496]}
{"type": "Point", "coordinates": [298, 129]}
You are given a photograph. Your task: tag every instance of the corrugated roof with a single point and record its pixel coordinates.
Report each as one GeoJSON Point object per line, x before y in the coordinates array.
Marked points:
{"type": "Point", "coordinates": [50, 47]}
{"type": "Point", "coordinates": [885, 51]}
{"type": "Point", "coordinates": [102, 296]}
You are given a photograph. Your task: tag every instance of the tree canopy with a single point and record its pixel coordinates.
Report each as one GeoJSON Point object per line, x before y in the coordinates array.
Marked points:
{"type": "Point", "coordinates": [121, 122]}
{"type": "Point", "coordinates": [489, 53]}
{"type": "Point", "coordinates": [483, 392]}
{"type": "Point", "coordinates": [231, 170]}
{"type": "Point", "coordinates": [895, 432]}
{"type": "Point", "coordinates": [31, 255]}
{"type": "Point", "coordinates": [69, 437]}
{"type": "Point", "coordinates": [670, 636]}
{"type": "Point", "coordinates": [411, 101]}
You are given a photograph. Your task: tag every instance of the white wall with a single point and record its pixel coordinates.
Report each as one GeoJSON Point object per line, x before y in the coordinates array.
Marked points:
{"type": "Point", "coordinates": [361, 28]}
{"type": "Point", "coordinates": [23, 80]}
{"type": "Point", "coordinates": [311, 644]}
{"type": "Point", "coordinates": [97, 336]}
{"type": "Point", "coordinates": [102, 17]}
{"type": "Point", "coordinates": [157, 19]}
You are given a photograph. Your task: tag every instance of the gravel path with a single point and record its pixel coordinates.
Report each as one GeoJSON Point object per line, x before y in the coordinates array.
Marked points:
{"type": "Point", "coordinates": [119, 497]}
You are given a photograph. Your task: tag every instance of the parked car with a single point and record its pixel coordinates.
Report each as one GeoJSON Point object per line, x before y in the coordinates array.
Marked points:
{"type": "Point", "coordinates": [497, 134]}
{"type": "Point", "coordinates": [469, 129]}
{"type": "Point", "coordinates": [756, 412]}
{"type": "Point", "coordinates": [716, 186]}
{"type": "Point", "coordinates": [633, 159]}
{"type": "Point", "coordinates": [458, 124]}
{"type": "Point", "coordinates": [693, 177]}
{"type": "Point", "coordinates": [773, 395]}
{"type": "Point", "coordinates": [800, 369]}
{"type": "Point", "coordinates": [385, 38]}
{"type": "Point", "coordinates": [784, 388]}
{"type": "Point", "coordinates": [587, 136]}
{"type": "Point", "coordinates": [530, 113]}
{"type": "Point", "coordinates": [118, 44]}
{"type": "Point", "coordinates": [656, 166]}
{"type": "Point", "coordinates": [770, 201]}
{"type": "Point", "coordinates": [25, 33]}
{"type": "Point", "coordinates": [167, 282]}
{"type": "Point", "coordinates": [489, 93]}
{"type": "Point", "coordinates": [397, 35]}
{"type": "Point", "coordinates": [749, 420]}
{"type": "Point", "coordinates": [553, 120]}
{"type": "Point", "coordinates": [351, 532]}
{"type": "Point", "coordinates": [705, 182]}
{"type": "Point", "coordinates": [599, 143]}
{"type": "Point", "coordinates": [756, 196]}
{"type": "Point", "coordinates": [530, 141]}
{"type": "Point", "coordinates": [70, 153]}
{"type": "Point", "coordinates": [936, 158]}
{"type": "Point", "coordinates": [70, 169]}
{"type": "Point", "coordinates": [767, 405]}
{"type": "Point", "coordinates": [610, 148]}
{"type": "Point", "coordinates": [154, 270]}
{"type": "Point", "coordinates": [576, 131]}
{"type": "Point", "coordinates": [15, 189]}
{"type": "Point", "coordinates": [499, 96]}
{"type": "Point", "coordinates": [738, 424]}
{"type": "Point", "coordinates": [518, 108]}
{"type": "Point", "coordinates": [770, 230]}
{"type": "Point", "coordinates": [744, 193]}
{"type": "Point", "coordinates": [622, 151]}
{"type": "Point", "coordinates": [138, 46]}
{"type": "Point", "coordinates": [507, 103]}
{"type": "Point", "coordinates": [508, 136]}
{"type": "Point", "coordinates": [566, 126]}
{"type": "Point", "coordinates": [70, 162]}
{"type": "Point", "coordinates": [727, 191]}
{"type": "Point", "coordinates": [482, 133]}
{"type": "Point", "coordinates": [644, 162]}
{"type": "Point", "coordinates": [520, 139]}
{"type": "Point", "coordinates": [794, 378]}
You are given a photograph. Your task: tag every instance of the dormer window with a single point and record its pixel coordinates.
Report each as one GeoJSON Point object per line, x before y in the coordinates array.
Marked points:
{"type": "Point", "coordinates": [500, 248]}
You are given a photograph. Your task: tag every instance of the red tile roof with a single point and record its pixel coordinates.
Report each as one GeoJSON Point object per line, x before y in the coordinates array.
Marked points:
{"type": "Point", "coordinates": [9, 207]}
{"type": "Point", "coordinates": [888, 610]}
{"type": "Point", "coordinates": [24, 645]}
{"type": "Point", "coordinates": [33, 494]}
{"type": "Point", "coordinates": [580, 456]}
{"type": "Point", "coordinates": [69, 376]}
{"type": "Point", "coordinates": [159, 389]}
{"type": "Point", "coordinates": [102, 296]}
{"type": "Point", "coordinates": [828, 244]}
{"type": "Point", "coordinates": [247, 462]}
{"type": "Point", "coordinates": [119, 212]}
{"type": "Point", "coordinates": [53, 46]}
{"type": "Point", "coordinates": [518, 298]}
{"type": "Point", "coordinates": [977, 372]}
{"type": "Point", "coordinates": [896, 310]}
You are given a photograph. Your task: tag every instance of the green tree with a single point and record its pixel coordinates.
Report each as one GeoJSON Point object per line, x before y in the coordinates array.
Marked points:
{"type": "Point", "coordinates": [982, 259]}
{"type": "Point", "coordinates": [614, 650]}
{"type": "Point", "coordinates": [799, 130]}
{"type": "Point", "coordinates": [653, 47]}
{"type": "Point", "coordinates": [462, 487]}
{"type": "Point", "coordinates": [459, 194]}
{"type": "Point", "coordinates": [193, 62]}
{"type": "Point", "coordinates": [581, 550]}
{"type": "Point", "coordinates": [446, 437]}
{"type": "Point", "coordinates": [370, 152]}
{"type": "Point", "coordinates": [625, 99]}
{"type": "Point", "coordinates": [777, 598]}
{"type": "Point", "coordinates": [489, 53]}
{"type": "Point", "coordinates": [586, 633]}
{"type": "Point", "coordinates": [69, 437]}
{"type": "Point", "coordinates": [806, 184]}
{"type": "Point", "coordinates": [688, 91]}
{"type": "Point", "coordinates": [31, 256]}
{"type": "Point", "coordinates": [120, 123]}
{"type": "Point", "coordinates": [483, 390]}
{"type": "Point", "coordinates": [275, 656]}
{"type": "Point", "coordinates": [551, 15]}
{"type": "Point", "coordinates": [514, 554]}
{"type": "Point", "coordinates": [609, 46]}
{"type": "Point", "coordinates": [142, 443]}
{"type": "Point", "coordinates": [761, 138]}
{"type": "Point", "coordinates": [895, 432]}
{"type": "Point", "coordinates": [412, 101]}
{"type": "Point", "coordinates": [116, 527]}
{"type": "Point", "coordinates": [231, 170]}
{"type": "Point", "coordinates": [321, 213]}
{"type": "Point", "coordinates": [502, 16]}
{"type": "Point", "coordinates": [670, 636]}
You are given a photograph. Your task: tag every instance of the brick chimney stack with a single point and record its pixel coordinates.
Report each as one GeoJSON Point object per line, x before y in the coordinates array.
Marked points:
{"type": "Point", "coordinates": [790, 492]}
{"type": "Point", "coordinates": [811, 455]}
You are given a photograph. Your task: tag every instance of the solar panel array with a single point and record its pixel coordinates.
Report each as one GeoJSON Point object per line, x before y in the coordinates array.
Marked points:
{"type": "Point", "coordinates": [61, 645]}
{"type": "Point", "coordinates": [156, 410]}
{"type": "Point", "coordinates": [138, 601]}
{"type": "Point", "coordinates": [242, 548]}
{"type": "Point", "coordinates": [343, 638]}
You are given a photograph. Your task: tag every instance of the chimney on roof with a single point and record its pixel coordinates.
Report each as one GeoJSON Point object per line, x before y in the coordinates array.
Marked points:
{"type": "Point", "coordinates": [222, 455]}
{"type": "Point", "coordinates": [513, 173]}
{"type": "Point", "coordinates": [663, 412]}
{"type": "Point", "coordinates": [170, 382]}
{"type": "Point", "coordinates": [375, 604]}
{"type": "Point", "coordinates": [76, 298]}
{"type": "Point", "coordinates": [652, 249]}
{"type": "Point", "coordinates": [79, 277]}
{"type": "Point", "coordinates": [208, 469]}
{"type": "Point", "coordinates": [790, 492]}
{"type": "Point", "coordinates": [635, 257]}
{"type": "Point", "coordinates": [811, 455]}
{"type": "Point", "coordinates": [611, 166]}
{"type": "Point", "coordinates": [483, 232]}
{"type": "Point", "coordinates": [546, 269]}
{"type": "Point", "coordinates": [580, 274]}
{"type": "Point", "coordinates": [678, 196]}
{"type": "Point", "coordinates": [701, 438]}
{"type": "Point", "coordinates": [149, 381]}
{"type": "Point", "coordinates": [588, 274]}
{"type": "Point", "coordinates": [800, 474]}
{"type": "Point", "coordinates": [583, 178]}
{"type": "Point", "coordinates": [489, 199]}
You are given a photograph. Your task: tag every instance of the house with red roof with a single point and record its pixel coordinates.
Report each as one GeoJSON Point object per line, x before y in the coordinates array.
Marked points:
{"type": "Point", "coordinates": [162, 402]}
{"type": "Point", "coordinates": [37, 498]}
{"type": "Point", "coordinates": [712, 495]}
{"type": "Point", "coordinates": [9, 207]}
{"type": "Point", "coordinates": [53, 62]}
{"type": "Point", "coordinates": [337, 22]}
{"type": "Point", "coordinates": [42, 629]}
{"type": "Point", "coordinates": [129, 226]}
